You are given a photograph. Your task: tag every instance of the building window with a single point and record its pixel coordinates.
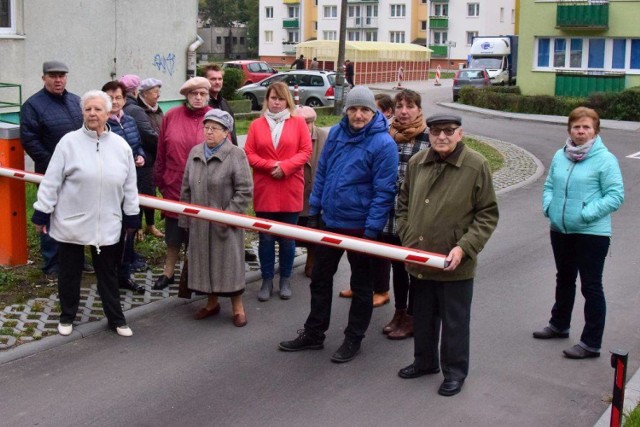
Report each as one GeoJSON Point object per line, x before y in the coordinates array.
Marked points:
{"type": "Point", "coordinates": [575, 56]}
{"type": "Point", "coordinates": [423, 1]}
{"type": "Point", "coordinates": [543, 52]}
{"type": "Point", "coordinates": [619, 53]}
{"type": "Point", "coordinates": [293, 36]}
{"type": "Point", "coordinates": [293, 11]}
{"type": "Point", "coordinates": [513, 16]}
{"type": "Point", "coordinates": [268, 11]}
{"type": "Point", "coordinates": [596, 53]}
{"type": "Point", "coordinates": [559, 52]}
{"type": "Point", "coordinates": [234, 40]}
{"type": "Point", "coordinates": [371, 36]}
{"type": "Point", "coordinates": [396, 36]}
{"type": "Point", "coordinates": [330, 35]}
{"type": "Point", "coordinates": [353, 36]}
{"type": "Point", "coordinates": [315, 25]}
{"type": "Point", "coordinates": [330, 11]}
{"type": "Point", "coordinates": [218, 40]}
{"type": "Point", "coordinates": [635, 54]}
{"type": "Point", "coordinates": [470, 37]}
{"type": "Point", "coordinates": [439, 37]}
{"type": "Point", "coordinates": [268, 36]}
{"type": "Point", "coordinates": [7, 17]}
{"type": "Point", "coordinates": [398, 10]}
{"type": "Point", "coordinates": [242, 40]}
{"type": "Point", "coordinates": [502, 14]}
{"type": "Point", "coordinates": [440, 9]}
{"type": "Point", "coordinates": [473, 9]}
{"type": "Point", "coordinates": [423, 25]}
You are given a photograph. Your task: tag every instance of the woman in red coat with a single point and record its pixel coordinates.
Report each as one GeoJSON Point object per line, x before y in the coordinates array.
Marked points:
{"type": "Point", "coordinates": [278, 146]}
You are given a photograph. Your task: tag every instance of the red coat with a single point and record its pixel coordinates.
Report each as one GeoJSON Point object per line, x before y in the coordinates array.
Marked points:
{"type": "Point", "coordinates": [293, 152]}
{"type": "Point", "coordinates": [181, 129]}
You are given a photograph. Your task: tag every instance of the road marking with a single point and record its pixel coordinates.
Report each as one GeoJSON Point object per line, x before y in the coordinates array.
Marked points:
{"type": "Point", "coordinates": [634, 156]}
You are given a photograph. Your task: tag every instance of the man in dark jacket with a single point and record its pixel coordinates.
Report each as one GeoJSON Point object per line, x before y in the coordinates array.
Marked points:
{"type": "Point", "coordinates": [45, 118]}
{"type": "Point", "coordinates": [298, 63]}
{"type": "Point", "coordinates": [215, 75]}
{"type": "Point", "coordinates": [353, 191]}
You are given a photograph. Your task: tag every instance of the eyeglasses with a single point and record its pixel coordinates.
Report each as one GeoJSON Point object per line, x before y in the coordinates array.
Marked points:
{"type": "Point", "coordinates": [202, 94]}
{"type": "Point", "coordinates": [209, 129]}
{"type": "Point", "coordinates": [447, 131]}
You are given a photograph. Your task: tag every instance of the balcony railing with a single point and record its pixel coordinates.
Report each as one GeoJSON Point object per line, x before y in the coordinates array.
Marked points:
{"type": "Point", "coordinates": [436, 22]}
{"type": "Point", "coordinates": [583, 15]}
{"type": "Point", "coordinates": [579, 84]}
{"type": "Point", "coordinates": [362, 1]}
{"type": "Point", "coordinates": [291, 1]}
{"type": "Point", "coordinates": [289, 47]}
{"type": "Point", "coordinates": [362, 22]}
{"type": "Point", "coordinates": [439, 51]}
{"type": "Point", "coordinates": [290, 23]}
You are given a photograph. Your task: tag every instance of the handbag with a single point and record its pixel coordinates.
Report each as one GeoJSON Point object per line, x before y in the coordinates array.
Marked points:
{"type": "Point", "coordinates": [183, 285]}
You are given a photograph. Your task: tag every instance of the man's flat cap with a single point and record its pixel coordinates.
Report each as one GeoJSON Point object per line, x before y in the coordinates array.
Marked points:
{"type": "Point", "coordinates": [440, 119]}
{"type": "Point", "coordinates": [54, 67]}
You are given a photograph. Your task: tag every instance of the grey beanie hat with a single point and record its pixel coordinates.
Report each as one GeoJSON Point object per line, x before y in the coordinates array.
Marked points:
{"type": "Point", "coordinates": [149, 83]}
{"type": "Point", "coordinates": [219, 116]}
{"type": "Point", "coordinates": [360, 96]}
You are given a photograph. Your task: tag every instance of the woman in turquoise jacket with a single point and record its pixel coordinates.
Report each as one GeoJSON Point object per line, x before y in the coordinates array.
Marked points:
{"type": "Point", "coordinates": [583, 188]}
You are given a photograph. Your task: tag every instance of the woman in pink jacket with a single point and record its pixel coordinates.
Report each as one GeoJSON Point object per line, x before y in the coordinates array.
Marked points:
{"type": "Point", "coordinates": [278, 146]}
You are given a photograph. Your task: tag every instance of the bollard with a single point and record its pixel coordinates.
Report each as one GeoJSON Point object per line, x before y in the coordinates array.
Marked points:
{"type": "Point", "coordinates": [296, 95]}
{"type": "Point", "coordinates": [437, 83]}
{"type": "Point", "coordinates": [400, 76]}
{"type": "Point", "coordinates": [619, 363]}
{"type": "Point", "coordinates": [13, 224]}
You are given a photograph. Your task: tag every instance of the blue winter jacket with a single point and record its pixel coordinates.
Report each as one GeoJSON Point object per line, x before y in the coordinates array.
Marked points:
{"type": "Point", "coordinates": [354, 185]}
{"type": "Point", "coordinates": [128, 129]}
{"type": "Point", "coordinates": [579, 197]}
{"type": "Point", "coordinates": [44, 119]}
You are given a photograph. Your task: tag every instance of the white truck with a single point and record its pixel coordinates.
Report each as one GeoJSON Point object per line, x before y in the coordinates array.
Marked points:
{"type": "Point", "coordinates": [498, 55]}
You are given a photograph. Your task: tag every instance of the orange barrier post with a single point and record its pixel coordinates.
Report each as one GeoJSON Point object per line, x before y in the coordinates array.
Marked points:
{"type": "Point", "coordinates": [437, 83]}
{"type": "Point", "coordinates": [13, 225]}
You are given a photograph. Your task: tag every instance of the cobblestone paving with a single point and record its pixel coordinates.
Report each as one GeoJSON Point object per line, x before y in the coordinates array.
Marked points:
{"type": "Point", "coordinates": [23, 323]}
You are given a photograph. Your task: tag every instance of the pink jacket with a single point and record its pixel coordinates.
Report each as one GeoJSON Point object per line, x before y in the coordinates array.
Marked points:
{"type": "Point", "coordinates": [181, 129]}
{"type": "Point", "coordinates": [293, 152]}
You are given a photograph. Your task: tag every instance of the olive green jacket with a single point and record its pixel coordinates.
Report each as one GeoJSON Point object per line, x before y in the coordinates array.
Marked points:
{"type": "Point", "coordinates": [443, 204]}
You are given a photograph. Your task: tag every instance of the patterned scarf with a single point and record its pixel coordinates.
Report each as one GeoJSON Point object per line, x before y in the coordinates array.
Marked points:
{"type": "Point", "coordinates": [574, 152]}
{"type": "Point", "coordinates": [402, 134]}
{"type": "Point", "coordinates": [276, 123]}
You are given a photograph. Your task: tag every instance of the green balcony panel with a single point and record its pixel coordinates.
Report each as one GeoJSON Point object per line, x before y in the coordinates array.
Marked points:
{"type": "Point", "coordinates": [594, 16]}
{"type": "Point", "coordinates": [439, 51]}
{"type": "Point", "coordinates": [438, 22]}
{"type": "Point", "coordinates": [583, 85]}
{"type": "Point", "coordinates": [291, 23]}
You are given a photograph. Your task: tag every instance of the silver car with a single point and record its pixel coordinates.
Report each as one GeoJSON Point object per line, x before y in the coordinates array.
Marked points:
{"type": "Point", "coordinates": [315, 88]}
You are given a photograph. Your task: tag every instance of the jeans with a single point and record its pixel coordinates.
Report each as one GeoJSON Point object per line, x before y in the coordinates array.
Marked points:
{"type": "Point", "coordinates": [582, 254]}
{"type": "Point", "coordinates": [267, 246]}
{"type": "Point", "coordinates": [325, 266]}
{"type": "Point", "coordinates": [49, 252]}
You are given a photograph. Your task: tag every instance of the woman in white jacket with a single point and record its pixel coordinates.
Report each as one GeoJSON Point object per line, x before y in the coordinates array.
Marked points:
{"type": "Point", "coordinates": [90, 182]}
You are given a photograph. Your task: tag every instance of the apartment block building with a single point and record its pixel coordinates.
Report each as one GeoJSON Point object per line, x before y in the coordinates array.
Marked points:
{"type": "Point", "coordinates": [445, 26]}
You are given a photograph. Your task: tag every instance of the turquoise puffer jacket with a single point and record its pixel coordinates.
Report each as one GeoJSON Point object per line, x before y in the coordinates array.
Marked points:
{"type": "Point", "coordinates": [579, 197]}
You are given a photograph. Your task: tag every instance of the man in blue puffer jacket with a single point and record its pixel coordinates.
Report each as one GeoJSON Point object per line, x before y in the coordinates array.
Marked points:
{"type": "Point", "coordinates": [353, 191]}
{"type": "Point", "coordinates": [45, 118]}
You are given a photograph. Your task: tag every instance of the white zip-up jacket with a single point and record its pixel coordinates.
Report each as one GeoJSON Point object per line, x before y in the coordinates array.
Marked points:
{"type": "Point", "coordinates": [89, 183]}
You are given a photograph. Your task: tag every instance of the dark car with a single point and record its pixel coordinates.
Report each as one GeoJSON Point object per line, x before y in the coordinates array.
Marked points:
{"type": "Point", "coordinates": [477, 77]}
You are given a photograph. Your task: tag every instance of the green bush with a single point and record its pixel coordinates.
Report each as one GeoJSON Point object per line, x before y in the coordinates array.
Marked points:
{"type": "Point", "coordinates": [232, 81]}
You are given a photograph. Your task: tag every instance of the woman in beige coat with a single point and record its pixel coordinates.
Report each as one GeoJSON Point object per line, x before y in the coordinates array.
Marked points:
{"type": "Point", "coordinates": [217, 175]}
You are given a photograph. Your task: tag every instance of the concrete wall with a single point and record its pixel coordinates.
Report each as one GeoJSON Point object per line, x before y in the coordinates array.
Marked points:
{"type": "Point", "coordinates": [99, 39]}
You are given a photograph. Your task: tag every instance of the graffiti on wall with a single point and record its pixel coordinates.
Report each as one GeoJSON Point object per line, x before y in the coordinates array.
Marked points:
{"type": "Point", "coordinates": [166, 64]}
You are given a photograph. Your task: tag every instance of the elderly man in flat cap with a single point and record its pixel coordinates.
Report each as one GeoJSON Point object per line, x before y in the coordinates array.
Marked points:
{"type": "Point", "coordinates": [353, 192]}
{"type": "Point", "coordinates": [45, 118]}
{"type": "Point", "coordinates": [446, 205]}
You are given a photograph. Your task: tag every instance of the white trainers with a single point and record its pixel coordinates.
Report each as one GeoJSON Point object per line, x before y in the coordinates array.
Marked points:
{"type": "Point", "coordinates": [124, 331]}
{"type": "Point", "coordinates": [65, 329]}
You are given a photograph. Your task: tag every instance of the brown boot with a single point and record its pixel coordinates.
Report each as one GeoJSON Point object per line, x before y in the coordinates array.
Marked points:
{"type": "Point", "coordinates": [405, 330]}
{"type": "Point", "coordinates": [308, 267]}
{"type": "Point", "coordinates": [395, 321]}
{"type": "Point", "coordinates": [380, 299]}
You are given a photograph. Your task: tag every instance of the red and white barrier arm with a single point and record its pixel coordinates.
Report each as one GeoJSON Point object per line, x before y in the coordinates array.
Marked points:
{"type": "Point", "coordinates": [383, 250]}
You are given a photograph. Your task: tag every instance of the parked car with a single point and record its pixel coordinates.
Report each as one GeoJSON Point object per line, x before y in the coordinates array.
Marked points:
{"type": "Point", "coordinates": [315, 88]}
{"type": "Point", "coordinates": [254, 71]}
{"type": "Point", "coordinates": [477, 77]}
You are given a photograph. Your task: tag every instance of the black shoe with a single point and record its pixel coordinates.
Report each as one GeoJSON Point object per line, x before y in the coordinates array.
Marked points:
{"type": "Point", "coordinates": [305, 341]}
{"type": "Point", "coordinates": [577, 352]}
{"type": "Point", "coordinates": [88, 268]}
{"type": "Point", "coordinates": [132, 286]}
{"type": "Point", "coordinates": [450, 387]}
{"type": "Point", "coordinates": [412, 372]}
{"type": "Point", "coordinates": [548, 333]}
{"type": "Point", "coordinates": [249, 256]}
{"type": "Point", "coordinates": [163, 281]}
{"type": "Point", "coordinates": [347, 351]}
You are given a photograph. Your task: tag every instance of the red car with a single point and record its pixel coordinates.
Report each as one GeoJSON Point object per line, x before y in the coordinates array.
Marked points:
{"type": "Point", "coordinates": [254, 71]}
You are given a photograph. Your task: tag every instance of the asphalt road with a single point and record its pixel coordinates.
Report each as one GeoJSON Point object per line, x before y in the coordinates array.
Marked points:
{"type": "Point", "coordinates": [177, 371]}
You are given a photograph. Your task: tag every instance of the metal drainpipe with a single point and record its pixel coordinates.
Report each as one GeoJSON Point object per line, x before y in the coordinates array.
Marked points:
{"type": "Point", "coordinates": [191, 57]}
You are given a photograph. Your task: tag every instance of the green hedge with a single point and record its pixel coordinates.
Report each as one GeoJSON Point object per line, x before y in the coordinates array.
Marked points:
{"type": "Point", "coordinates": [615, 106]}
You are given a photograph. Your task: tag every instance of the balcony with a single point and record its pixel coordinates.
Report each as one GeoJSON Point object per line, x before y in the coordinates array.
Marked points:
{"type": "Point", "coordinates": [438, 22]}
{"type": "Point", "coordinates": [439, 51]}
{"type": "Point", "coordinates": [583, 15]}
{"type": "Point", "coordinates": [362, 1]}
{"type": "Point", "coordinates": [362, 22]}
{"type": "Point", "coordinates": [289, 48]}
{"type": "Point", "coordinates": [579, 84]}
{"type": "Point", "coordinates": [290, 23]}
{"type": "Point", "coordinates": [291, 1]}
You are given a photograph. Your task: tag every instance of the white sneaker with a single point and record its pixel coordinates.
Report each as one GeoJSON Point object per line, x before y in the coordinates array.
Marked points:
{"type": "Point", "coordinates": [124, 331]}
{"type": "Point", "coordinates": [65, 329]}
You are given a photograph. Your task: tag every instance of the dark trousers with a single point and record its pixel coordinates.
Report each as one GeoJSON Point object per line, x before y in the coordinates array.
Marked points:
{"type": "Point", "coordinates": [402, 289]}
{"type": "Point", "coordinates": [49, 252]}
{"type": "Point", "coordinates": [325, 266]}
{"type": "Point", "coordinates": [446, 305]}
{"type": "Point", "coordinates": [125, 248]}
{"type": "Point", "coordinates": [70, 276]}
{"type": "Point", "coordinates": [583, 254]}
{"type": "Point", "coordinates": [145, 186]}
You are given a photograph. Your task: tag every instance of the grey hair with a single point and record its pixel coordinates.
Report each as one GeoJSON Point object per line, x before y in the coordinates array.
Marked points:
{"type": "Point", "coordinates": [96, 94]}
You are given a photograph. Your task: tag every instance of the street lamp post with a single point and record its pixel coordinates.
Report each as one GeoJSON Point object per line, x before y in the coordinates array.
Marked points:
{"type": "Point", "coordinates": [339, 91]}
{"type": "Point", "coordinates": [451, 44]}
